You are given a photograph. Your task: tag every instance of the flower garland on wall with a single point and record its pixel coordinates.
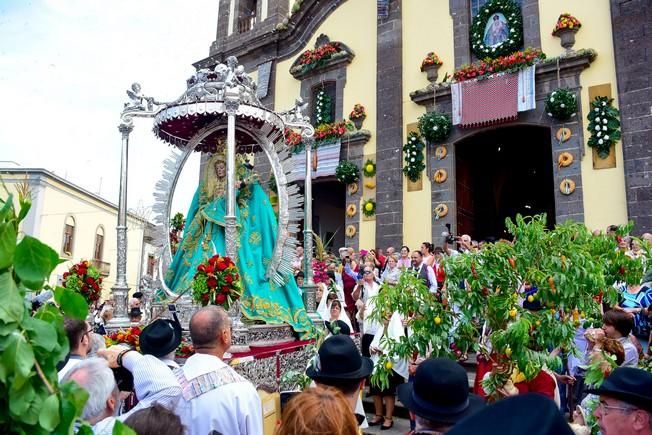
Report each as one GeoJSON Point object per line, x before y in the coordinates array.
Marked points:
{"type": "Point", "coordinates": [435, 126]}
{"type": "Point", "coordinates": [322, 108]}
{"type": "Point", "coordinates": [561, 104]}
{"type": "Point", "coordinates": [413, 157]}
{"type": "Point", "coordinates": [511, 63]}
{"type": "Point", "coordinates": [328, 133]}
{"type": "Point", "coordinates": [497, 29]}
{"type": "Point", "coordinates": [604, 125]}
{"type": "Point", "coordinates": [84, 279]}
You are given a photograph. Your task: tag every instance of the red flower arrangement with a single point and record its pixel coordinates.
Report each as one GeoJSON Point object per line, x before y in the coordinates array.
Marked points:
{"type": "Point", "coordinates": [292, 138]}
{"type": "Point", "coordinates": [358, 112]}
{"type": "Point", "coordinates": [84, 279]}
{"type": "Point", "coordinates": [320, 272]}
{"type": "Point", "coordinates": [566, 21]}
{"type": "Point", "coordinates": [131, 337]}
{"type": "Point", "coordinates": [512, 63]}
{"type": "Point", "coordinates": [311, 58]}
{"type": "Point", "coordinates": [185, 349]}
{"type": "Point", "coordinates": [430, 60]}
{"type": "Point", "coordinates": [217, 282]}
{"type": "Point", "coordinates": [327, 132]}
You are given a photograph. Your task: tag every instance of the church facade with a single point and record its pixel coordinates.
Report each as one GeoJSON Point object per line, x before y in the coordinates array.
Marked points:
{"type": "Point", "coordinates": [504, 153]}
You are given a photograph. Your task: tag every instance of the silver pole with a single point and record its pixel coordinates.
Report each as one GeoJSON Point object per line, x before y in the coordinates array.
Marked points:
{"type": "Point", "coordinates": [309, 288]}
{"type": "Point", "coordinates": [120, 288]}
{"type": "Point", "coordinates": [232, 102]}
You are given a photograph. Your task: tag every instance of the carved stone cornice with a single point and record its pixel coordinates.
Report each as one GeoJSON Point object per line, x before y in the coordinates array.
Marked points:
{"type": "Point", "coordinates": [569, 65]}
{"type": "Point", "coordinates": [356, 138]}
{"type": "Point", "coordinates": [271, 43]}
{"type": "Point", "coordinates": [341, 60]}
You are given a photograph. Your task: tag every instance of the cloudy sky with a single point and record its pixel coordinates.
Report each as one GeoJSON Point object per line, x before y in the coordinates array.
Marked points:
{"type": "Point", "coordinates": [64, 68]}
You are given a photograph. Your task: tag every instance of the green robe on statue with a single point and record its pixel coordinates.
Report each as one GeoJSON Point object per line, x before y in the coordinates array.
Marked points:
{"type": "Point", "coordinates": [204, 236]}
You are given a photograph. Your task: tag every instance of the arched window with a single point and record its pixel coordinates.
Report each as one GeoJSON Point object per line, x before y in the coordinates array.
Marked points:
{"type": "Point", "coordinates": [68, 236]}
{"type": "Point", "coordinates": [98, 250]}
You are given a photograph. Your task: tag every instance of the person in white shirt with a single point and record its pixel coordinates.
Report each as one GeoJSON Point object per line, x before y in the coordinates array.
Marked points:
{"type": "Point", "coordinates": [78, 332]}
{"type": "Point", "coordinates": [214, 396]}
{"type": "Point", "coordinates": [363, 293]}
{"type": "Point", "coordinates": [423, 271]}
{"type": "Point", "coordinates": [153, 383]}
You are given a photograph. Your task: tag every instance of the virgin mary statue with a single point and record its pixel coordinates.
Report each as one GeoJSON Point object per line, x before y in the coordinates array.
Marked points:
{"type": "Point", "coordinates": [204, 236]}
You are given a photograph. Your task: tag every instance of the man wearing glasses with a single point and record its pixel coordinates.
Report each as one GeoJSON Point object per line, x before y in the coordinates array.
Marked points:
{"type": "Point", "coordinates": [625, 403]}
{"type": "Point", "coordinates": [78, 332]}
{"type": "Point", "coordinates": [365, 289]}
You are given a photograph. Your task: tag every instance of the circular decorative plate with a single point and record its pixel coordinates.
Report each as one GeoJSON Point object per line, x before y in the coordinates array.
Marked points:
{"type": "Point", "coordinates": [567, 186]}
{"type": "Point", "coordinates": [563, 134]}
{"type": "Point", "coordinates": [440, 176]}
{"type": "Point", "coordinates": [441, 152]}
{"type": "Point", "coordinates": [565, 159]}
{"type": "Point", "coordinates": [351, 210]}
{"type": "Point", "coordinates": [440, 211]}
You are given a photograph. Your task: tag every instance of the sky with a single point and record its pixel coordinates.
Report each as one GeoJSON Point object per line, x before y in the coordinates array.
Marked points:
{"type": "Point", "coordinates": [65, 66]}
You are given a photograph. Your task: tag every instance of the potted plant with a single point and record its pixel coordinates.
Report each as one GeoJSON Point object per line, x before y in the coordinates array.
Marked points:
{"type": "Point", "coordinates": [358, 115]}
{"type": "Point", "coordinates": [565, 29]}
{"type": "Point", "coordinates": [430, 65]}
{"type": "Point", "coordinates": [435, 126]}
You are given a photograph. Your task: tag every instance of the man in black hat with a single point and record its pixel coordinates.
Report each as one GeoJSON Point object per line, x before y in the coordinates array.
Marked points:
{"type": "Point", "coordinates": [527, 414]}
{"type": "Point", "coordinates": [160, 339]}
{"type": "Point", "coordinates": [340, 365]}
{"type": "Point", "coordinates": [625, 403]}
{"type": "Point", "coordinates": [439, 396]}
{"type": "Point", "coordinates": [135, 316]}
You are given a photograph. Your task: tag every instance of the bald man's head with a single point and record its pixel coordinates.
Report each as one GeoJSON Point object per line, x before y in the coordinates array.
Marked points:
{"type": "Point", "coordinates": [207, 326]}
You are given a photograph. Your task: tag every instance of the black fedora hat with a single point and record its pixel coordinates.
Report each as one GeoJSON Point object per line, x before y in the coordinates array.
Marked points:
{"type": "Point", "coordinates": [339, 358]}
{"type": "Point", "coordinates": [531, 414]}
{"type": "Point", "coordinates": [343, 328]}
{"type": "Point", "coordinates": [440, 392]}
{"type": "Point", "coordinates": [160, 337]}
{"type": "Point", "coordinates": [630, 385]}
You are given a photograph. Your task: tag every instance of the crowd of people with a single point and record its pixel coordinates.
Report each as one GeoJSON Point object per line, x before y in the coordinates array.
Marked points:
{"type": "Point", "coordinates": [149, 392]}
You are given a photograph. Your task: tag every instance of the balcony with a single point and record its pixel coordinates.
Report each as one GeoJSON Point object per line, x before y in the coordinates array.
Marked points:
{"type": "Point", "coordinates": [102, 266]}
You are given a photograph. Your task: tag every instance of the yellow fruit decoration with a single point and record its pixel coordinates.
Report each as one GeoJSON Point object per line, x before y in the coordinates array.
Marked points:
{"type": "Point", "coordinates": [513, 312]}
{"type": "Point", "coordinates": [530, 298]}
{"type": "Point", "coordinates": [389, 365]}
{"type": "Point", "coordinates": [370, 185]}
{"type": "Point", "coordinates": [437, 320]}
{"type": "Point", "coordinates": [368, 206]}
{"type": "Point", "coordinates": [508, 351]}
{"type": "Point", "coordinates": [369, 167]}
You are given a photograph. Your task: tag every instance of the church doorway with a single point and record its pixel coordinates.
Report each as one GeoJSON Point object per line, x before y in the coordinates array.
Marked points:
{"type": "Point", "coordinates": [328, 212]}
{"type": "Point", "coordinates": [502, 172]}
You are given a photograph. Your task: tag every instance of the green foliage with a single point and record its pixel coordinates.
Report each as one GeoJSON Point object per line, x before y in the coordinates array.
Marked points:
{"type": "Point", "coordinates": [413, 157]}
{"type": "Point", "coordinates": [369, 207]}
{"type": "Point", "coordinates": [561, 104]}
{"type": "Point", "coordinates": [369, 168]}
{"type": "Point", "coordinates": [604, 125]}
{"type": "Point", "coordinates": [119, 428]}
{"type": "Point", "coordinates": [32, 345]}
{"type": "Point", "coordinates": [512, 13]}
{"type": "Point", "coordinates": [347, 172]}
{"type": "Point", "coordinates": [568, 265]}
{"type": "Point", "coordinates": [435, 126]}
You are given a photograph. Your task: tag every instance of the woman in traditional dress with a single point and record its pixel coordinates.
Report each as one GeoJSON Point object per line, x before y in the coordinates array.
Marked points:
{"type": "Point", "coordinates": [204, 236]}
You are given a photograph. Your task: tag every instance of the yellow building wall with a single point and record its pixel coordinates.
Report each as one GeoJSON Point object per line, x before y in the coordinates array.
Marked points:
{"type": "Point", "coordinates": [54, 201]}
{"type": "Point", "coordinates": [604, 191]}
{"type": "Point", "coordinates": [354, 24]}
{"type": "Point", "coordinates": [427, 26]}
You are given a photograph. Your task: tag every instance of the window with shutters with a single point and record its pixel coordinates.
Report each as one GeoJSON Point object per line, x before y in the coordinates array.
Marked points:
{"type": "Point", "coordinates": [68, 236]}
